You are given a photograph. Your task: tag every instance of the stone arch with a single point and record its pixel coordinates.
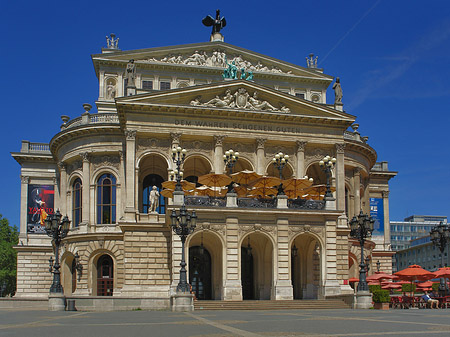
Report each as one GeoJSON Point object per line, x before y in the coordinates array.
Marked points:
{"type": "Point", "coordinates": [315, 171]}
{"type": "Point", "coordinates": [307, 273]}
{"type": "Point", "coordinates": [103, 170]}
{"type": "Point", "coordinates": [257, 266]}
{"type": "Point", "coordinates": [214, 244]}
{"type": "Point", "coordinates": [196, 165]}
{"type": "Point", "coordinates": [243, 164]}
{"type": "Point", "coordinates": [153, 171]}
{"type": "Point", "coordinates": [182, 84]}
{"type": "Point", "coordinates": [69, 275]}
{"type": "Point", "coordinates": [91, 255]}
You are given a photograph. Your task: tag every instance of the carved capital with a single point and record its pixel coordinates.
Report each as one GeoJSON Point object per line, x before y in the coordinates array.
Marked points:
{"type": "Point", "coordinates": [24, 179]}
{"type": "Point", "coordinates": [85, 157]}
{"type": "Point", "coordinates": [385, 194]}
{"type": "Point", "coordinates": [356, 171]}
{"type": "Point", "coordinates": [175, 136]}
{"type": "Point", "coordinates": [121, 155]}
{"type": "Point", "coordinates": [340, 148]}
{"type": "Point", "coordinates": [260, 143]}
{"type": "Point", "coordinates": [130, 134]}
{"type": "Point", "coordinates": [218, 140]}
{"type": "Point", "coordinates": [62, 166]}
{"type": "Point", "coordinates": [301, 145]}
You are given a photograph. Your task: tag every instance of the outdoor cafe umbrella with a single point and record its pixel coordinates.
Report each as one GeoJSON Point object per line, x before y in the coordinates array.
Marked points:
{"type": "Point", "coordinates": [210, 191]}
{"type": "Point", "coordinates": [185, 185]}
{"type": "Point", "coordinates": [390, 285]}
{"type": "Point", "coordinates": [265, 181]}
{"type": "Point", "coordinates": [379, 275]}
{"type": "Point", "coordinates": [316, 192]}
{"type": "Point", "coordinates": [426, 284]}
{"type": "Point", "coordinates": [241, 191]}
{"type": "Point", "coordinates": [214, 180]}
{"type": "Point", "coordinates": [442, 272]}
{"type": "Point", "coordinates": [414, 273]}
{"type": "Point", "coordinates": [168, 193]}
{"type": "Point", "coordinates": [262, 192]}
{"type": "Point", "coordinates": [295, 186]}
{"type": "Point", "coordinates": [245, 177]}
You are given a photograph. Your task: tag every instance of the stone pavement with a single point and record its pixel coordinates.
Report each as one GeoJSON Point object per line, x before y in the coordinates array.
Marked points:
{"type": "Point", "coordinates": [42, 323]}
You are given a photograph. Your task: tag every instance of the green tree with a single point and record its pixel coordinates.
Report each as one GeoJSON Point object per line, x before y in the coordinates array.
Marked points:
{"type": "Point", "coordinates": [9, 237]}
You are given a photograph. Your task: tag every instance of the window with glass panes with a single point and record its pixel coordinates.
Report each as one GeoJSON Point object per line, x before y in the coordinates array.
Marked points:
{"type": "Point", "coordinates": [148, 85]}
{"type": "Point", "coordinates": [76, 202]}
{"type": "Point", "coordinates": [106, 199]}
{"type": "Point", "coordinates": [163, 85]}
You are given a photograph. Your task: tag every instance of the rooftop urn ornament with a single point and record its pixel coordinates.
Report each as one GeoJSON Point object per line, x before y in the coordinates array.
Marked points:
{"type": "Point", "coordinates": [112, 42]}
{"type": "Point", "coordinates": [217, 24]}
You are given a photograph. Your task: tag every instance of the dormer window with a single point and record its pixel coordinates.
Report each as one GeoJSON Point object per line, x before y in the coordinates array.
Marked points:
{"type": "Point", "coordinates": [147, 85]}
{"type": "Point", "coordinates": [164, 85]}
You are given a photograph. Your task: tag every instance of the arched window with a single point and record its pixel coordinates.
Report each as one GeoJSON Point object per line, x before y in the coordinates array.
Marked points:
{"type": "Point", "coordinates": [76, 202]}
{"type": "Point", "coordinates": [106, 199]}
{"type": "Point", "coordinates": [150, 181]}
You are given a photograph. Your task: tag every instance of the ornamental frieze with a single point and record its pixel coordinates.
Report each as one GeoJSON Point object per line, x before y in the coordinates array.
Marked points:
{"type": "Point", "coordinates": [245, 229]}
{"type": "Point", "coordinates": [198, 146]}
{"type": "Point", "coordinates": [240, 99]}
{"type": "Point", "coordinates": [76, 165]}
{"type": "Point", "coordinates": [105, 161]}
{"type": "Point", "coordinates": [294, 230]}
{"type": "Point", "coordinates": [220, 229]}
{"type": "Point", "coordinates": [144, 144]}
{"type": "Point", "coordinates": [216, 58]}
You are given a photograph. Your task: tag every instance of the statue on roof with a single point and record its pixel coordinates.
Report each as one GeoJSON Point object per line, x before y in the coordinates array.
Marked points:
{"type": "Point", "coordinates": [218, 23]}
{"type": "Point", "coordinates": [112, 42]}
{"type": "Point", "coordinates": [337, 91]}
{"type": "Point", "coordinates": [312, 61]}
{"type": "Point", "coordinates": [130, 74]}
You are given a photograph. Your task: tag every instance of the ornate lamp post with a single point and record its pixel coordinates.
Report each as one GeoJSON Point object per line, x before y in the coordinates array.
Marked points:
{"type": "Point", "coordinates": [57, 229]}
{"type": "Point", "coordinates": [440, 236]}
{"type": "Point", "coordinates": [279, 161]}
{"type": "Point", "coordinates": [361, 227]}
{"type": "Point", "coordinates": [230, 158]}
{"type": "Point", "coordinates": [378, 266]}
{"type": "Point", "coordinates": [327, 164]}
{"type": "Point", "coordinates": [183, 224]}
{"type": "Point", "coordinates": [178, 156]}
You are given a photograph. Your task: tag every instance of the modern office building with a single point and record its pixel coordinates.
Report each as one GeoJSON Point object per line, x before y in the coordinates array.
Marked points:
{"type": "Point", "coordinates": [209, 97]}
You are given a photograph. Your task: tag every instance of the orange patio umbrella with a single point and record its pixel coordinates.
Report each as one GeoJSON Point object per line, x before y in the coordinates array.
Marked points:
{"type": "Point", "coordinates": [379, 275]}
{"type": "Point", "coordinates": [442, 272]}
{"type": "Point", "coordinates": [316, 192]}
{"type": "Point", "coordinates": [214, 180]}
{"type": "Point", "coordinates": [185, 185]}
{"type": "Point", "coordinates": [262, 192]}
{"type": "Point", "coordinates": [245, 177]}
{"type": "Point", "coordinates": [294, 187]}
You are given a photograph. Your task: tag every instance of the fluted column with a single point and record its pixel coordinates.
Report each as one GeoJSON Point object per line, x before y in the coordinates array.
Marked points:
{"type": "Point", "coordinates": [356, 188]}
{"type": "Point", "coordinates": [300, 158]}
{"type": "Point", "coordinates": [62, 187]}
{"type": "Point", "coordinates": [218, 154]}
{"type": "Point", "coordinates": [85, 212]}
{"type": "Point", "coordinates": [130, 174]}
{"type": "Point", "coordinates": [340, 177]}
{"type": "Point", "coordinates": [260, 155]}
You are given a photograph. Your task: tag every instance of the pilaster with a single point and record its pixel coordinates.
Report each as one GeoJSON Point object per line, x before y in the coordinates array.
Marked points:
{"type": "Point", "coordinates": [340, 176]}
{"type": "Point", "coordinates": [387, 227]}
{"type": "Point", "coordinates": [260, 154]}
{"type": "Point", "coordinates": [283, 285]}
{"type": "Point", "coordinates": [331, 284]}
{"type": "Point", "coordinates": [130, 209]}
{"type": "Point", "coordinates": [24, 180]}
{"type": "Point", "coordinates": [218, 154]}
{"type": "Point", "coordinates": [85, 212]}
{"type": "Point", "coordinates": [356, 188]}
{"type": "Point", "coordinates": [301, 158]}
{"type": "Point", "coordinates": [232, 288]}
{"type": "Point", "coordinates": [62, 187]}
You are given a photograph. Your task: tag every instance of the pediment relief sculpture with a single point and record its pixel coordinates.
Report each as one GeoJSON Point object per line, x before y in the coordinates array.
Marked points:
{"type": "Point", "coordinates": [217, 58]}
{"type": "Point", "coordinates": [240, 99]}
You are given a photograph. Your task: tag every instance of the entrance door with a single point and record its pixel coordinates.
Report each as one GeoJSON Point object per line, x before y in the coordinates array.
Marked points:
{"type": "Point", "coordinates": [105, 276]}
{"type": "Point", "coordinates": [247, 274]}
{"type": "Point", "coordinates": [200, 272]}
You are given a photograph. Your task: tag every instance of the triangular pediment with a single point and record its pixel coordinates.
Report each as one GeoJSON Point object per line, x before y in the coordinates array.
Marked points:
{"type": "Point", "coordinates": [211, 55]}
{"type": "Point", "coordinates": [234, 97]}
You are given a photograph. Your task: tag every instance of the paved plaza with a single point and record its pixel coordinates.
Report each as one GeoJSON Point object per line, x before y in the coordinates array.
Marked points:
{"type": "Point", "coordinates": [426, 322]}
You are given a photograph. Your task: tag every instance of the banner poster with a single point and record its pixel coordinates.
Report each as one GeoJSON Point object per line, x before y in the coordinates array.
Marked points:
{"type": "Point", "coordinates": [40, 203]}
{"type": "Point", "coordinates": [377, 213]}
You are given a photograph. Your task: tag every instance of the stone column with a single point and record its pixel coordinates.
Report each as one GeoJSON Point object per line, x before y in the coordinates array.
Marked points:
{"type": "Point", "coordinates": [123, 191]}
{"type": "Point", "coordinates": [301, 158]}
{"type": "Point", "coordinates": [340, 177]}
{"type": "Point", "coordinates": [101, 81]}
{"type": "Point", "coordinates": [218, 154]}
{"type": "Point", "coordinates": [387, 227]}
{"type": "Point", "coordinates": [130, 209]}
{"type": "Point", "coordinates": [282, 281]}
{"type": "Point", "coordinates": [356, 188]}
{"type": "Point", "coordinates": [260, 155]}
{"type": "Point", "coordinates": [85, 212]}
{"type": "Point", "coordinates": [232, 288]}
{"type": "Point", "coordinates": [63, 187]}
{"type": "Point", "coordinates": [23, 208]}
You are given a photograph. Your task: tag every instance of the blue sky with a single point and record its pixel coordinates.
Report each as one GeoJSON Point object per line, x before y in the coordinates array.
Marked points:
{"type": "Point", "coordinates": [393, 59]}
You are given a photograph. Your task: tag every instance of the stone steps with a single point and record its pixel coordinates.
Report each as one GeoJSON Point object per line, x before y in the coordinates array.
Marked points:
{"type": "Point", "coordinates": [270, 305]}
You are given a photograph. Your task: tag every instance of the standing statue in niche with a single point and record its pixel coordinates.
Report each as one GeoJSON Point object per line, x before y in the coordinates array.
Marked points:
{"type": "Point", "coordinates": [110, 91]}
{"type": "Point", "coordinates": [130, 74]}
{"type": "Point", "coordinates": [217, 23]}
{"type": "Point", "coordinates": [337, 91]}
{"type": "Point", "coordinates": [154, 200]}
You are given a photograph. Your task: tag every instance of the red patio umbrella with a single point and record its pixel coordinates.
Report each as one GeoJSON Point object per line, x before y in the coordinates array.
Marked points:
{"type": "Point", "coordinates": [414, 273]}
{"type": "Point", "coordinates": [379, 275]}
{"type": "Point", "coordinates": [442, 272]}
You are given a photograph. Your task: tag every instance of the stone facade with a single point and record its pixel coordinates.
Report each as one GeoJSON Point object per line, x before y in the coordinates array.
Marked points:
{"type": "Point", "coordinates": [101, 166]}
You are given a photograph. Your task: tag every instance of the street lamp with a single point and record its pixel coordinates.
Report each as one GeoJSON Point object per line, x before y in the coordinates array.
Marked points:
{"type": "Point", "coordinates": [230, 158]}
{"type": "Point", "coordinates": [183, 224]}
{"type": "Point", "coordinates": [361, 227]}
{"type": "Point", "coordinates": [57, 229]}
{"type": "Point", "coordinates": [178, 156]}
{"type": "Point", "coordinates": [378, 266]}
{"type": "Point", "coordinates": [440, 236]}
{"type": "Point", "coordinates": [279, 161]}
{"type": "Point", "coordinates": [327, 164]}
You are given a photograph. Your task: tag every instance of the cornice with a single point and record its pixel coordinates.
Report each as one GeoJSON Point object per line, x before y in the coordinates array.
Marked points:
{"type": "Point", "coordinates": [363, 148]}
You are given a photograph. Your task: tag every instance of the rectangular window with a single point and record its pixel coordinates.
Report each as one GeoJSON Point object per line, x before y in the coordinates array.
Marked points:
{"type": "Point", "coordinates": [300, 95]}
{"type": "Point", "coordinates": [164, 85]}
{"type": "Point", "coordinates": [147, 85]}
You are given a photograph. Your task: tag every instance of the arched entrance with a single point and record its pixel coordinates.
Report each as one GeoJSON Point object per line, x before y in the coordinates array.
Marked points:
{"type": "Point", "coordinates": [200, 272]}
{"type": "Point", "coordinates": [305, 267]}
{"type": "Point", "coordinates": [256, 267]}
{"type": "Point", "coordinates": [205, 257]}
{"type": "Point", "coordinates": [147, 185]}
{"type": "Point", "coordinates": [105, 276]}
